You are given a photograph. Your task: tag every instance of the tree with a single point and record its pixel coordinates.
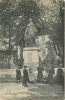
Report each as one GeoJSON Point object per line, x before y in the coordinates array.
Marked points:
{"type": "Point", "coordinates": [47, 17]}
{"type": "Point", "coordinates": [27, 9]}
{"type": "Point", "coordinates": [6, 21]}
{"type": "Point", "coordinates": [53, 19]}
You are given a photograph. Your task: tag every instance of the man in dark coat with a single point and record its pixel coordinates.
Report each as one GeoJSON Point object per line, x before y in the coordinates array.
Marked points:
{"type": "Point", "coordinates": [40, 73]}
{"type": "Point", "coordinates": [60, 76]}
{"type": "Point", "coordinates": [50, 75]}
{"type": "Point", "coordinates": [25, 76]}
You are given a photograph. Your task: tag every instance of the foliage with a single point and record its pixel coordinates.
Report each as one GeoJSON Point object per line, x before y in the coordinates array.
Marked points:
{"type": "Point", "coordinates": [47, 17]}
{"type": "Point", "coordinates": [53, 19]}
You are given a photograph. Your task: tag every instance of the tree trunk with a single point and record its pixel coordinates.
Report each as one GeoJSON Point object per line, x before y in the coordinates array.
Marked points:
{"type": "Point", "coordinates": [21, 55]}
{"type": "Point", "coordinates": [58, 52]}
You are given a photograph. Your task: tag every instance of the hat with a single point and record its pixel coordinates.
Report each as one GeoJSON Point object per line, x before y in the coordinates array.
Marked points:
{"type": "Point", "coordinates": [25, 66]}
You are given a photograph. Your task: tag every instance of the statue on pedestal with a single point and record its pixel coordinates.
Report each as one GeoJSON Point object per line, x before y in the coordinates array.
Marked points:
{"type": "Point", "coordinates": [30, 34]}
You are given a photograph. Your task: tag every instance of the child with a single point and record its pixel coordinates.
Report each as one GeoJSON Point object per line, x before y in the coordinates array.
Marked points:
{"type": "Point", "coordinates": [31, 76]}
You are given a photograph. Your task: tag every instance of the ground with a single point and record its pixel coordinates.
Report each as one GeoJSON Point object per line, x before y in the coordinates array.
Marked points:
{"type": "Point", "coordinates": [16, 91]}
{"type": "Point", "coordinates": [12, 91]}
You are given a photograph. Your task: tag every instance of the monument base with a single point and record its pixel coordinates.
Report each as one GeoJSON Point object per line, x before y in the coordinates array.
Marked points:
{"type": "Point", "coordinates": [31, 57]}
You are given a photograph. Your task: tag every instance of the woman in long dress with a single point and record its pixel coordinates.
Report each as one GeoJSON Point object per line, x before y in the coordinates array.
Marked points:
{"type": "Point", "coordinates": [40, 73]}
{"type": "Point", "coordinates": [31, 76]}
{"type": "Point", "coordinates": [18, 74]}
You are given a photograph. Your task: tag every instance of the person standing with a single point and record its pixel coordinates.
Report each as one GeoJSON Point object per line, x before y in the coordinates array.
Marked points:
{"type": "Point", "coordinates": [40, 73]}
{"type": "Point", "coordinates": [31, 76]}
{"type": "Point", "coordinates": [25, 76]}
{"type": "Point", "coordinates": [18, 74]}
{"type": "Point", "coordinates": [50, 75]}
{"type": "Point", "coordinates": [45, 75]}
{"type": "Point", "coordinates": [60, 75]}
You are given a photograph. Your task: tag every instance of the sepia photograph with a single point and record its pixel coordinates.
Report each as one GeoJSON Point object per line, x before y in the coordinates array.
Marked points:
{"type": "Point", "coordinates": [32, 50]}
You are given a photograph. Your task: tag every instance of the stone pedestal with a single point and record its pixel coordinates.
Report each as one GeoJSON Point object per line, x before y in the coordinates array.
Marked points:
{"type": "Point", "coordinates": [31, 56]}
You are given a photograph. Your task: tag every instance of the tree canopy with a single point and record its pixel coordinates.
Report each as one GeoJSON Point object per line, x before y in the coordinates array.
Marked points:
{"type": "Point", "coordinates": [47, 17]}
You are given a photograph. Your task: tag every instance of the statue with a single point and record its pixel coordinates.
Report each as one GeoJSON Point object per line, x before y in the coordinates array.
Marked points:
{"type": "Point", "coordinates": [30, 34]}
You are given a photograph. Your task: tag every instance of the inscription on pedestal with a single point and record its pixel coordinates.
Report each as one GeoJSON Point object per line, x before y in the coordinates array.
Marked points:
{"type": "Point", "coordinates": [31, 55]}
